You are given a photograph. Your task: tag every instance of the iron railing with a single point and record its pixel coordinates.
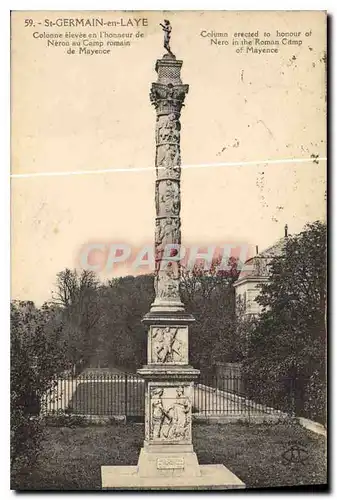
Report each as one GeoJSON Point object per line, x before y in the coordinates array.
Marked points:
{"type": "Point", "coordinates": [104, 394]}
{"type": "Point", "coordinates": [96, 394]}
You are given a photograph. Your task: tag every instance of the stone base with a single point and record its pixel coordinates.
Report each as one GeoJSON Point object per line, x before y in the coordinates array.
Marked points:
{"type": "Point", "coordinates": [167, 306]}
{"type": "Point", "coordinates": [168, 461]}
{"type": "Point", "coordinates": [169, 315]}
{"type": "Point", "coordinates": [212, 477]}
{"type": "Point", "coordinates": [169, 467]}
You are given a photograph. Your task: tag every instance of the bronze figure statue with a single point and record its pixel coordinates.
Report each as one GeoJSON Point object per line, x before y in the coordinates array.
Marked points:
{"type": "Point", "coordinates": [167, 28]}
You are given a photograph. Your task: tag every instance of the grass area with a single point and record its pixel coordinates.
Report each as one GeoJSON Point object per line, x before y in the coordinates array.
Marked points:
{"type": "Point", "coordinates": [109, 397]}
{"type": "Point", "coordinates": [71, 458]}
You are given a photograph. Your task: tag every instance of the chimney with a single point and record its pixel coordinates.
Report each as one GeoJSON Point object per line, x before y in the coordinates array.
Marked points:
{"type": "Point", "coordinates": [286, 231]}
{"type": "Point", "coordinates": [257, 249]}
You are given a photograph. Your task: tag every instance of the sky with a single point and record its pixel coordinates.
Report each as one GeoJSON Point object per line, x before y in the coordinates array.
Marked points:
{"type": "Point", "coordinates": [74, 113]}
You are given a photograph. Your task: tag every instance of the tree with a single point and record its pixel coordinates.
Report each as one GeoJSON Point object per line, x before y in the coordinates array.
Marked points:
{"type": "Point", "coordinates": [209, 295]}
{"type": "Point", "coordinates": [286, 358]}
{"type": "Point", "coordinates": [244, 325]}
{"type": "Point", "coordinates": [78, 295]}
{"type": "Point", "coordinates": [37, 357]}
{"type": "Point", "coordinates": [122, 337]}
{"type": "Point", "coordinates": [102, 322]}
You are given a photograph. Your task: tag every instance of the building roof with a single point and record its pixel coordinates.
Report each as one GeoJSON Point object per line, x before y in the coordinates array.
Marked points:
{"type": "Point", "coordinates": [259, 265]}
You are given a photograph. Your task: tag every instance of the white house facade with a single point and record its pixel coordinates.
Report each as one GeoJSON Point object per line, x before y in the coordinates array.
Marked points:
{"type": "Point", "coordinates": [256, 272]}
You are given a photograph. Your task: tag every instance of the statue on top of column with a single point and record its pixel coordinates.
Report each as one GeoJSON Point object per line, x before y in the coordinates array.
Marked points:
{"type": "Point", "coordinates": [167, 28]}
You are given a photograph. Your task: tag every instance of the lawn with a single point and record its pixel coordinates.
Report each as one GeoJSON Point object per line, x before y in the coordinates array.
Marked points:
{"type": "Point", "coordinates": [71, 458]}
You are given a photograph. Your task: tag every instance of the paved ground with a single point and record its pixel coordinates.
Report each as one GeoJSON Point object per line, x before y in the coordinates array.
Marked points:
{"type": "Point", "coordinates": [210, 401]}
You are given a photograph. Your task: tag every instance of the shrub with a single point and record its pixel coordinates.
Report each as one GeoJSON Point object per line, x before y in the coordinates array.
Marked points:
{"type": "Point", "coordinates": [36, 360]}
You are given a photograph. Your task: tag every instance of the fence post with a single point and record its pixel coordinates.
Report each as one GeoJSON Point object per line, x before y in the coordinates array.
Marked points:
{"type": "Point", "coordinates": [294, 397]}
{"type": "Point", "coordinates": [249, 412]}
{"type": "Point", "coordinates": [217, 395]}
{"type": "Point", "coordinates": [126, 395]}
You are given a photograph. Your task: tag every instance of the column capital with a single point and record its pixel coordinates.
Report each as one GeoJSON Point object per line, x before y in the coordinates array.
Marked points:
{"type": "Point", "coordinates": [168, 98]}
{"type": "Point", "coordinates": [168, 93]}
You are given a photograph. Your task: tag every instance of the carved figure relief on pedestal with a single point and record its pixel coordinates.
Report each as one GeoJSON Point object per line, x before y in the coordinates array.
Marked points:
{"type": "Point", "coordinates": [170, 417]}
{"type": "Point", "coordinates": [166, 345]}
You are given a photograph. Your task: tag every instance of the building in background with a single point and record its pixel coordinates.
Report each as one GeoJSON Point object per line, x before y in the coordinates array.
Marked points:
{"type": "Point", "coordinates": [247, 287]}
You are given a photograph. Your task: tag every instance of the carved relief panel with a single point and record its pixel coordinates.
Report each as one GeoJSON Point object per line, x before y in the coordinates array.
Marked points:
{"type": "Point", "coordinates": [170, 413]}
{"type": "Point", "coordinates": [167, 282]}
{"type": "Point", "coordinates": [168, 129]}
{"type": "Point", "coordinates": [168, 161]}
{"type": "Point", "coordinates": [167, 231]}
{"type": "Point", "coordinates": [167, 198]}
{"type": "Point", "coordinates": [168, 344]}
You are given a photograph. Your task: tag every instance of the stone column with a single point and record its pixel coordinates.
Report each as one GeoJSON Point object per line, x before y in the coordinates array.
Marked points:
{"type": "Point", "coordinates": [167, 459]}
{"type": "Point", "coordinates": [168, 377]}
{"type": "Point", "coordinates": [168, 95]}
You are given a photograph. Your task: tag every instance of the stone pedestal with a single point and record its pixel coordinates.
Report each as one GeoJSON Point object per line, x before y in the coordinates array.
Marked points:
{"type": "Point", "coordinates": [212, 477]}
{"type": "Point", "coordinates": [167, 460]}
